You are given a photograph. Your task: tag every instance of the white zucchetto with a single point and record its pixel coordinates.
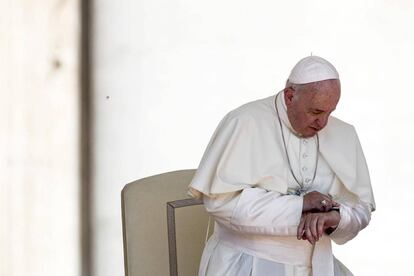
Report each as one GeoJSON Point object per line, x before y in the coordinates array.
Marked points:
{"type": "Point", "coordinates": [312, 69]}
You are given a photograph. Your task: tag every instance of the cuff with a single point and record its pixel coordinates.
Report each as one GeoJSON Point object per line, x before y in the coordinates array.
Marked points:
{"type": "Point", "coordinates": [342, 232]}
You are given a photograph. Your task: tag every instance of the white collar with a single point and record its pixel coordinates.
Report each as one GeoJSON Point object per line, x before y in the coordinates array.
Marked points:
{"type": "Point", "coordinates": [281, 107]}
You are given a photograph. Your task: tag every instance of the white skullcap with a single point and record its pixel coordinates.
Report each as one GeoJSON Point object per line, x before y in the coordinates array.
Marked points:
{"type": "Point", "coordinates": [311, 69]}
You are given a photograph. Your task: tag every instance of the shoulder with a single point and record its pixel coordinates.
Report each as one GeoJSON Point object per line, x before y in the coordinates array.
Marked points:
{"type": "Point", "coordinates": [335, 122]}
{"type": "Point", "coordinates": [253, 111]}
{"type": "Point", "coordinates": [339, 128]}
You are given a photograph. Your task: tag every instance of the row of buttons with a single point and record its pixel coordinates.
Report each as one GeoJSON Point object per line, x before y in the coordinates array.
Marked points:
{"type": "Point", "coordinates": [305, 155]}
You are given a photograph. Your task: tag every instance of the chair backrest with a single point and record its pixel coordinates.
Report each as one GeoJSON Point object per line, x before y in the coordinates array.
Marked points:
{"type": "Point", "coordinates": [144, 219]}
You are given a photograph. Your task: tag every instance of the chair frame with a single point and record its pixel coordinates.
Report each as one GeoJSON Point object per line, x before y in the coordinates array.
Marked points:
{"type": "Point", "coordinates": [172, 243]}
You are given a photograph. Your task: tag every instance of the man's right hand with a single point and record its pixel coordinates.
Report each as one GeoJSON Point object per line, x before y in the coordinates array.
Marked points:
{"type": "Point", "coordinates": [317, 202]}
{"type": "Point", "coordinates": [312, 225]}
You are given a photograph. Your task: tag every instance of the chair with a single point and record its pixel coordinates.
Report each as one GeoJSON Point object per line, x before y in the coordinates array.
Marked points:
{"type": "Point", "coordinates": [144, 219]}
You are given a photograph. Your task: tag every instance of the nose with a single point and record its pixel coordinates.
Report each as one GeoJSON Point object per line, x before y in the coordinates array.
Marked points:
{"type": "Point", "coordinates": [322, 121]}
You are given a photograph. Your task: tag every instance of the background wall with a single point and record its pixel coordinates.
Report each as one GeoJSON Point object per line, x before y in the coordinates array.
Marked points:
{"type": "Point", "coordinates": [39, 138]}
{"type": "Point", "coordinates": [167, 71]}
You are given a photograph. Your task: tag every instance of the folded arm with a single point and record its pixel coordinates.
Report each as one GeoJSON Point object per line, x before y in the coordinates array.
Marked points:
{"type": "Point", "coordinates": [257, 211]}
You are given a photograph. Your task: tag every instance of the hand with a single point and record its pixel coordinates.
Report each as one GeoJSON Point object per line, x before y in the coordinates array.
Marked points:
{"type": "Point", "coordinates": [313, 202]}
{"type": "Point", "coordinates": [313, 225]}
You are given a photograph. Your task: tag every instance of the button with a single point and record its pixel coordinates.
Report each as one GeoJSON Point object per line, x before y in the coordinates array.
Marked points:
{"type": "Point", "coordinates": [304, 155]}
{"type": "Point", "coordinates": [304, 169]}
{"type": "Point", "coordinates": [305, 141]}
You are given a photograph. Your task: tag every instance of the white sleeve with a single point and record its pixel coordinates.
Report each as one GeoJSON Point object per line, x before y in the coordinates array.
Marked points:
{"type": "Point", "coordinates": [353, 219]}
{"type": "Point", "coordinates": [257, 211]}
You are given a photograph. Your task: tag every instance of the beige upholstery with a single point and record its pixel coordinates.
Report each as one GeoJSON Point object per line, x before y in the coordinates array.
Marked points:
{"type": "Point", "coordinates": [144, 216]}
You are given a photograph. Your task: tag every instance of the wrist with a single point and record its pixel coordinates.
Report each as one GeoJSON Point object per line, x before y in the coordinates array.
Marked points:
{"type": "Point", "coordinates": [305, 205]}
{"type": "Point", "coordinates": [333, 222]}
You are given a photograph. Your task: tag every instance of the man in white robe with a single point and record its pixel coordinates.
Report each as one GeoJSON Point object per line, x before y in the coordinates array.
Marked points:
{"type": "Point", "coordinates": [282, 178]}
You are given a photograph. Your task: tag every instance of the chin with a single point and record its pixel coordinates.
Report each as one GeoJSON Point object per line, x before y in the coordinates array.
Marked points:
{"type": "Point", "coordinates": [309, 133]}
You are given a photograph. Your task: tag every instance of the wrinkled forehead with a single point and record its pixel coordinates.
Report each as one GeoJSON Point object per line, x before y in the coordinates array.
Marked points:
{"type": "Point", "coordinates": [323, 97]}
{"type": "Point", "coordinates": [332, 85]}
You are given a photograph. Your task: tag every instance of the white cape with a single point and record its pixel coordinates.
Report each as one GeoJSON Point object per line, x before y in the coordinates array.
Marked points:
{"type": "Point", "coordinates": [246, 150]}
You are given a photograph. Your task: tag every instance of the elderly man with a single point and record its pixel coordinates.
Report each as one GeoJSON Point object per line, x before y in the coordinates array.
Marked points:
{"type": "Point", "coordinates": [282, 178]}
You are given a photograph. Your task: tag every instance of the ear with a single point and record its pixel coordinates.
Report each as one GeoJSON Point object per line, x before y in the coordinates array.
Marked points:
{"type": "Point", "coordinates": [288, 94]}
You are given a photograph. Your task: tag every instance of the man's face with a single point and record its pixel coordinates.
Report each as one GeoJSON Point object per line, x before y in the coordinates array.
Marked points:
{"type": "Point", "coordinates": [309, 106]}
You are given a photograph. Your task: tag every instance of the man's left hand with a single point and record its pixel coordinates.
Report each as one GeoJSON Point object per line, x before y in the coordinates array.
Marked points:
{"type": "Point", "coordinates": [313, 225]}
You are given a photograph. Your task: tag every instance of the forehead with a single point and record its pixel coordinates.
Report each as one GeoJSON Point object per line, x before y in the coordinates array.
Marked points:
{"type": "Point", "coordinates": [322, 97]}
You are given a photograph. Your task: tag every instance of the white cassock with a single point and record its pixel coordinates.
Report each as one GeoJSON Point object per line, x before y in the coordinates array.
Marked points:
{"type": "Point", "coordinates": [248, 188]}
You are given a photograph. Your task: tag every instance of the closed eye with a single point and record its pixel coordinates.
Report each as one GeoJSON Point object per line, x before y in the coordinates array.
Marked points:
{"type": "Point", "coordinates": [319, 111]}
{"type": "Point", "coordinates": [316, 112]}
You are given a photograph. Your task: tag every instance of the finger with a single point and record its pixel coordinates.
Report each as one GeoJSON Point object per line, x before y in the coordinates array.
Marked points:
{"type": "Point", "coordinates": [329, 203]}
{"type": "Point", "coordinates": [334, 203]}
{"type": "Point", "coordinates": [309, 236]}
{"type": "Point", "coordinates": [306, 235]}
{"type": "Point", "coordinates": [328, 206]}
{"type": "Point", "coordinates": [313, 227]}
{"type": "Point", "coordinates": [332, 199]}
{"type": "Point", "coordinates": [325, 205]}
{"type": "Point", "coordinates": [320, 227]}
{"type": "Point", "coordinates": [310, 242]}
{"type": "Point", "coordinates": [300, 227]}
{"type": "Point", "coordinates": [327, 197]}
